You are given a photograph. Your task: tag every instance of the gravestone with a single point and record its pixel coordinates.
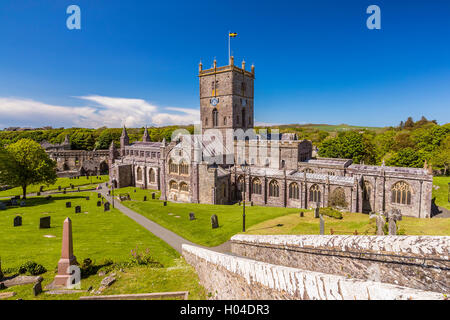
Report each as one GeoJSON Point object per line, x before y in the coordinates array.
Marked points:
{"type": "Point", "coordinates": [59, 188]}
{"type": "Point", "coordinates": [191, 216]}
{"type": "Point", "coordinates": [214, 221]}
{"type": "Point", "coordinates": [134, 190]}
{"type": "Point", "coordinates": [109, 192]}
{"type": "Point", "coordinates": [48, 198]}
{"type": "Point", "coordinates": [393, 216]}
{"type": "Point", "coordinates": [78, 209]}
{"type": "Point", "coordinates": [37, 288]}
{"type": "Point", "coordinates": [87, 198]}
{"type": "Point", "coordinates": [41, 189]}
{"type": "Point", "coordinates": [22, 203]}
{"type": "Point", "coordinates": [64, 191]}
{"type": "Point", "coordinates": [380, 224]}
{"type": "Point", "coordinates": [322, 225]}
{"type": "Point", "coordinates": [106, 207]}
{"type": "Point", "coordinates": [99, 195]}
{"type": "Point", "coordinates": [239, 202]}
{"type": "Point", "coordinates": [38, 193]}
{"type": "Point", "coordinates": [251, 203]}
{"type": "Point", "coordinates": [316, 212]}
{"type": "Point", "coordinates": [99, 203]}
{"type": "Point", "coordinates": [44, 223]}
{"type": "Point", "coordinates": [302, 214]}
{"type": "Point", "coordinates": [78, 189]}
{"type": "Point", "coordinates": [165, 203]}
{"type": "Point", "coordinates": [68, 204]}
{"type": "Point", "coordinates": [145, 198]}
{"type": "Point", "coordinates": [2, 206]}
{"type": "Point", "coordinates": [153, 195]}
{"type": "Point", "coordinates": [72, 186]}
{"type": "Point", "coordinates": [17, 221]}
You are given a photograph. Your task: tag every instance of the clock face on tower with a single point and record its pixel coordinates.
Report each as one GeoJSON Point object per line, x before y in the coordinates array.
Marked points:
{"type": "Point", "coordinates": [214, 102]}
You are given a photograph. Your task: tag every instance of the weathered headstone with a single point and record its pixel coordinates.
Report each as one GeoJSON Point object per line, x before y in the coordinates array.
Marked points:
{"type": "Point", "coordinates": [393, 216]}
{"type": "Point", "coordinates": [106, 207]}
{"type": "Point", "coordinates": [214, 221]}
{"type": "Point", "coordinates": [153, 195]}
{"type": "Point", "coordinates": [109, 192]}
{"type": "Point", "coordinates": [191, 216]}
{"type": "Point", "coordinates": [165, 203]}
{"type": "Point", "coordinates": [64, 191]}
{"type": "Point", "coordinates": [17, 221]}
{"type": "Point", "coordinates": [380, 221]}
{"type": "Point", "coordinates": [302, 214]}
{"type": "Point", "coordinates": [145, 198]}
{"type": "Point", "coordinates": [99, 203]}
{"type": "Point", "coordinates": [72, 186]}
{"type": "Point", "coordinates": [41, 189]}
{"type": "Point", "coordinates": [44, 222]}
{"type": "Point", "coordinates": [251, 203]}
{"type": "Point", "coordinates": [316, 212]}
{"type": "Point", "coordinates": [22, 203]}
{"type": "Point", "coordinates": [68, 204]}
{"type": "Point", "coordinates": [99, 195]}
{"type": "Point", "coordinates": [78, 189]}
{"type": "Point", "coordinates": [134, 190]}
{"type": "Point", "coordinates": [59, 188]}
{"type": "Point", "coordinates": [322, 225]}
{"type": "Point", "coordinates": [38, 193]}
{"type": "Point", "coordinates": [78, 209]}
{"type": "Point", "coordinates": [37, 288]}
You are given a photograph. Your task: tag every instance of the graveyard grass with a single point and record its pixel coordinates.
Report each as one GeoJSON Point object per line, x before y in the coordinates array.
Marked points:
{"type": "Point", "coordinates": [63, 182]}
{"type": "Point", "coordinates": [294, 224]}
{"type": "Point", "coordinates": [97, 235]}
{"type": "Point", "coordinates": [199, 230]}
{"type": "Point", "coordinates": [442, 193]}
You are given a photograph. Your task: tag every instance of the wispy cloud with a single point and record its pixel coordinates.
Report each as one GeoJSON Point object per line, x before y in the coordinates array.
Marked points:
{"type": "Point", "coordinates": [100, 111]}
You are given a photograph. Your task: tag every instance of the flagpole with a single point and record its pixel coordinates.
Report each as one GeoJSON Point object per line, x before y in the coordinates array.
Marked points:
{"type": "Point", "coordinates": [229, 50]}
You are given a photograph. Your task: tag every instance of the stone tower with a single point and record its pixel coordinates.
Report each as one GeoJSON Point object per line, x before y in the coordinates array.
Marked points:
{"type": "Point", "coordinates": [226, 97]}
{"type": "Point", "coordinates": [124, 141]}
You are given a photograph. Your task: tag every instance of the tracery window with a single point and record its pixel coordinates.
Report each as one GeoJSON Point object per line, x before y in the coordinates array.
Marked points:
{"type": "Point", "coordinates": [256, 186]}
{"type": "Point", "coordinates": [401, 193]}
{"type": "Point", "coordinates": [293, 191]}
{"type": "Point", "coordinates": [274, 189]}
{"type": "Point", "coordinates": [314, 193]}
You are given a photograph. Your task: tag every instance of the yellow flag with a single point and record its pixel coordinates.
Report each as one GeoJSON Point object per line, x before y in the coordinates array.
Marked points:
{"type": "Point", "coordinates": [232, 34]}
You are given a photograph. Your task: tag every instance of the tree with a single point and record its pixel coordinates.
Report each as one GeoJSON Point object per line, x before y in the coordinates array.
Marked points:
{"type": "Point", "coordinates": [407, 157]}
{"type": "Point", "coordinates": [25, 162]}
{"type": "Point", "coordinates": [441, 157]}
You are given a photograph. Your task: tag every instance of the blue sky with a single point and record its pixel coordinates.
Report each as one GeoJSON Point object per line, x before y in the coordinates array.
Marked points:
{"type": "Point", "coordinates": [136, 62]}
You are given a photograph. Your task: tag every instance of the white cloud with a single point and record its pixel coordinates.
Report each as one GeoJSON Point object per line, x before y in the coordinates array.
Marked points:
{"type": "Point", "coordinates": [101, 111]}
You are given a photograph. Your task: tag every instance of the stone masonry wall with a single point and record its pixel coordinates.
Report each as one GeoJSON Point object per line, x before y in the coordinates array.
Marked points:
{"type": "Point", "coordinates": [420, 262]}
{"type": "Point", "coordinates": [230, 277]}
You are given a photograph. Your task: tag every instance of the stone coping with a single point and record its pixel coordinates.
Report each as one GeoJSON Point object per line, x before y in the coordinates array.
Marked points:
{"type": "Point", "coordinates": [435, 247]}
{"type": "Point", "coordinates": [304, 284]}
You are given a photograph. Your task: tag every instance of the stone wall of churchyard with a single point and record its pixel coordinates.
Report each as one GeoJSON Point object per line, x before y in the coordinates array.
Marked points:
{"type": "Point", "coordinates": [420, 262]}
{"type": "Point", "coordinates": [230, 277]}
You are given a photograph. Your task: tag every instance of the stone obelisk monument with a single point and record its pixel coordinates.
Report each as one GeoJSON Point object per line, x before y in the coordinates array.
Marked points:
{"type": "Point", "coordinates": [67, 257]}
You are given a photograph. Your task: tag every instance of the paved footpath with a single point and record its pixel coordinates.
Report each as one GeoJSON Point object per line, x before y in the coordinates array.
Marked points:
{"type": "Point", "coordinates": [171, 238]}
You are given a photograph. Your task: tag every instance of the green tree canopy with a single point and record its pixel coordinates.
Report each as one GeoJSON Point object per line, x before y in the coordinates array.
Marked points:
{"type": "Point", "coordinates": [25, 162]}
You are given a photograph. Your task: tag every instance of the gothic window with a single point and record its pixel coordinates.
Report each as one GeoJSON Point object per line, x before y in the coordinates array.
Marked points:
{"type": "Point", "coordinates": [184, 187]}
{"type": "Point", "coordinates": [243, 116]}
{"type": "Point", "coordinates": [224, 121]}
{"type": "Point", "coordinates": [215, 116]}
{"type": "Point", "coordinates": [173, 185]}
{"type": "Point", "coordinates": [243, 88]}
{"type": "Point", "coordinates": [151, 175]}
{"type": "Point", "coordinates": [173, 167]}
{"type": "Point", "coordinates": [206, 121]}
{"type": "Point", "coordinates": [283, 163]}
{"type": "Point", "coordinates": [139, 174]}
{"type": "Point", "coordinates": [184, 168]}
{"type": "Point", "coordinates": [256, 186]}
{"type": "Point", "coordinates": [274, 189]}
{"type": "Point", "coordinates": [237, 120]}
{"type": "Point", "coordinates": [401, 193]}
{"type": "Point", "coordinates": [314, 193]}
{"type": "Point", "coordinates": [293, 191]}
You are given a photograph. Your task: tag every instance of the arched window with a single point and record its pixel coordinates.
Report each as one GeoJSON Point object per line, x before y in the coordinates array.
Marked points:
{"type": "Point", "coordinates": [401, 193]}
{"type": "Point", "coordinates": [173, 167]}
{"type": "Point", "coordinates": [184, 168]}
{"type": "Point", "coordinates": [151, 175]}
{"type": "Point", "coordinates": [243, 88]}
{"type": "Point", "coordinates": [314, 193]}
{"type": "Point", "coordinates": [308, 170]}
{"type": "Point", "coordinates": [173, 185]}
{"type": "Point", "coordinates": [274, 189]}
{"type": "Point", "coordinates": [256, 186]}
{"type": "Point", "coordinates": [224, 121]}
{"type": "Point", "coordinates": [184, 187]}
{"type": "Point", "coordinates": [293, 191]}
{"type": "Point", "coordinates": [243, 117]}
{"type": "Point", "coordinates": [223, 188]}
{"type": "Point", "coordinates": [206, 121]}
{"type": "Point", "coordinates": [215, 117]}
{"type": "Point", "coordinates": [139, 174]}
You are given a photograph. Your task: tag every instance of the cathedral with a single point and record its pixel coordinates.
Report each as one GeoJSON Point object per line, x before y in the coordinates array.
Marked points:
{"type": "Point", "coordinates": [226, 161]}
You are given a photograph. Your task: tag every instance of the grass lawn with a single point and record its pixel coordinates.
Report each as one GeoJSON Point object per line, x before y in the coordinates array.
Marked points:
{"type": "Point", "coordinates": [442, 193]}
{"type": "Point", "coordinates": [199, 230]}
{"type": "Point", "coordinates": [294, 224]}
{"type": "Point", "coordinates": [97, 235]}
{"type": "Point", "coordinates": [63, 182]}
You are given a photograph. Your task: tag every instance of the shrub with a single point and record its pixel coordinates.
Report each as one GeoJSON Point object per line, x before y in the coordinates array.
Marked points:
{"type": "Point", "coordinates": [32, 268]}
{"type": "Point", "coordinates": [144, 258]}
{"type": "Point", "coordinates": [330, 212]}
